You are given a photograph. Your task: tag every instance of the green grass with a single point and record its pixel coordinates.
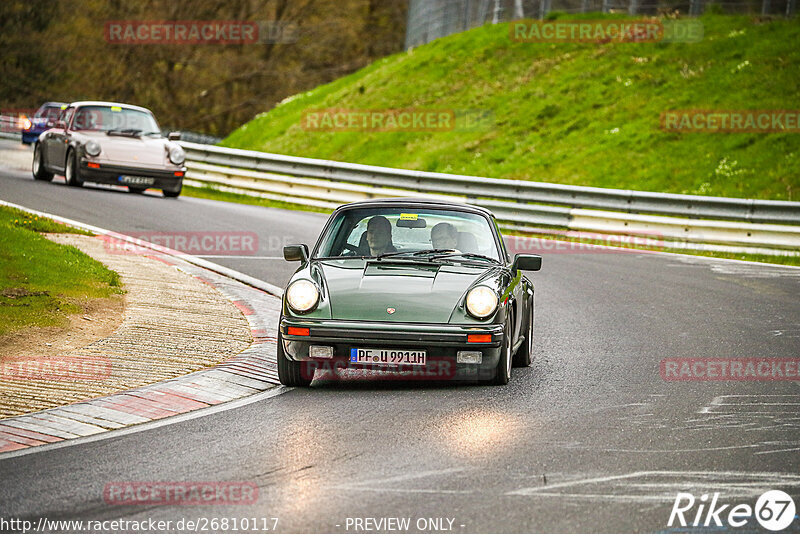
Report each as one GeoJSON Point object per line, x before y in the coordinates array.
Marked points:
{"type": "Point", "coordinates": [41, 282]}
{"type": "Point", "coordinates": [578, 113]}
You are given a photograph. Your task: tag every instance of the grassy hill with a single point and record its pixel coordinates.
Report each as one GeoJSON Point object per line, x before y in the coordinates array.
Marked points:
{"type": "Point", "coordinates": [571, 113]}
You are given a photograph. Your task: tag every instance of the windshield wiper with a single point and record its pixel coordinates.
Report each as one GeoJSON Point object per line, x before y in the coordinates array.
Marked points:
{"type": "Point", "coordinates": [467, 255]}
{"type": "Point", "coordinates": [415, 253]}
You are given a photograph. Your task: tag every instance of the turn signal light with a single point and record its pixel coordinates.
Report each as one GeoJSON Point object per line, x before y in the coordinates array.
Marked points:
{"type": "Point", "coordinates": [297, 331]}
{"type": "Point", "coordinates": [479, 338]}
{"type": "Point", "coordinates": [93, 165]}
{"type": "Point", "coordinates": [179, 174]}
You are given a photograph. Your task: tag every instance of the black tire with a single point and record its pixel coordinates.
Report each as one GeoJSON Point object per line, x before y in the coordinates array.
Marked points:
{"type": "Point", "coordinates": [39, 172]}
{"type": "Point", "coordinates": [173, 194]}
{"type": "Point", "coordinates": [137, 190]}
{"type": "Point", "coordinates": [72, 171]}
{"type": "Point", "coordinates": [502, 373]}
{"type": "Point", "coordinates": [290, 373]}
{"type": "Point", "coordinates": [524, 355]}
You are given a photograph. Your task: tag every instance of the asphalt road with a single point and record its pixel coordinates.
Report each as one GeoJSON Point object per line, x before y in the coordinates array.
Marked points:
{"type": "Point", "coordinates": [590, 438]}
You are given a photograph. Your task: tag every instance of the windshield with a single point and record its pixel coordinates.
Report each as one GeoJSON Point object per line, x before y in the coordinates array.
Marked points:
{"type": "Point", "coordinates": [371, 232]}
{"type": "Point", "coordinates": [48, 112]}
{"type": "Point", "coordinates": [114, 119]}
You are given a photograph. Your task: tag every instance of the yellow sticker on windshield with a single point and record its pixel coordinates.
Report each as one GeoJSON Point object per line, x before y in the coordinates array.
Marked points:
{"type": "Point", "coordinates": [116, 108]}
{"type": "Point", "coordinates": [63, 106]}
{"type": "Point", "coordinates": [409, 216]}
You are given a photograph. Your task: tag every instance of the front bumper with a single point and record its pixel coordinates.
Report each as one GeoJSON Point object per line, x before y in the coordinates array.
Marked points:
{"type": "Point", "coordinates": [164, 179]}
{"type": "Point", "coordinates": [441, 341]}
{"type": "Point", "coordinates": [30, 136]}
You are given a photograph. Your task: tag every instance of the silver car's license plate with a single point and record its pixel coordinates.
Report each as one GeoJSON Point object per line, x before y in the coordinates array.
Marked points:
{"type": "Point", "coordinates": [388, 356]}
{"type": "Point", "coordinates": [137, 180]}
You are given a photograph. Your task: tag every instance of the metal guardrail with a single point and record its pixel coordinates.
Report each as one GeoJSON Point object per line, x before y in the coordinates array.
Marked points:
{"type": "Point", "coordinates": [10, 127]}
{"type": "Point", "coordinates": [763, 226]}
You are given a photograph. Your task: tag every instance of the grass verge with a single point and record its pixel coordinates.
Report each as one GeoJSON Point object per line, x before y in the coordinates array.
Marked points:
{"type": "Point", "coordinates": [569, 113]}
{"type": "Point", "coordinates": [42, 282]}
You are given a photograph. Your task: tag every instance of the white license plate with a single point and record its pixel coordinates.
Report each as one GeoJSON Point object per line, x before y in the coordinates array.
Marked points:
{"type": "Point", "coordinates": [388, 356]}
{"type": "Point", "coordinates": [137, 180]}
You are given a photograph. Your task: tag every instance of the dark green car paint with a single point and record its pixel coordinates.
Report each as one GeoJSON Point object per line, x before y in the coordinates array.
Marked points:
{"type": "Point", "coordinates": [427, 300]}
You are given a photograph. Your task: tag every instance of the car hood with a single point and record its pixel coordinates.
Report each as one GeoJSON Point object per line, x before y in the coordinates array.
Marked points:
{"type": "Point", "coordinates": [363, 290]}
{"type": "Point", "coordinates": [131, 150]}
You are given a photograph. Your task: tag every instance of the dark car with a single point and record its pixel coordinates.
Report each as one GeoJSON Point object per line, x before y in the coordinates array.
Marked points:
{"type": "Point", "coordinates": [32, 127]}
{"type": "Point", "coordinates": [398, 285]}
{"type": "Point", "coordinates": [110, 143]}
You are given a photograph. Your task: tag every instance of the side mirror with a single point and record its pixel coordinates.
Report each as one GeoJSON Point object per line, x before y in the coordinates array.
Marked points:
{"type": "Point", "coordinates": [60, 124]}
{"type": "Point", "coordinates": [527, 262]}
{"type": "Point", "coordinates": [295, 253]}
{"type": "Point", "coordinates": [174, 136]}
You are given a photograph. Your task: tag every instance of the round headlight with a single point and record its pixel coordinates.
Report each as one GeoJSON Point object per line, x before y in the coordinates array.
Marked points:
{"type": "Point", "coordinates": [481, 302]}
{"type": "Point", "coordinates": [93, 148]}
{"type": "Point", "coordinates": [302, 296]}
{"type": "Point", "coordinates": [177, 155]}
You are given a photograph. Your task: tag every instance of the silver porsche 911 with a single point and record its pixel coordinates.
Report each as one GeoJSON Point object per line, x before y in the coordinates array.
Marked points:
{"type": "Point", "coordinates": [110, 143]}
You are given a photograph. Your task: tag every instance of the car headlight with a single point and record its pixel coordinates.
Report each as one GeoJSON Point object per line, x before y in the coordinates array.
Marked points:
{"type": "Point", "coordinates": [481, 302]}
{"type": "Point", "coordinates": [93, 148]}
{"type": "Point", "coordinates": [177, 155]}
{"type": "Point", "coordinates": [26, 124]}
{"type": "Point", "coordinates": [302, 296]}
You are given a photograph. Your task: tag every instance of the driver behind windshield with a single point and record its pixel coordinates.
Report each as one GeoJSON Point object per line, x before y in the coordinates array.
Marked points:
{"type": "Point", "coordinates": [379, 236]}
{"type": "Point", "coordinates": [444, 236]}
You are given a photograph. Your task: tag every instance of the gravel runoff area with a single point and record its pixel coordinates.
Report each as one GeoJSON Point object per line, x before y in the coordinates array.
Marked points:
{"type": "Point", "coordinates": [174, 324]}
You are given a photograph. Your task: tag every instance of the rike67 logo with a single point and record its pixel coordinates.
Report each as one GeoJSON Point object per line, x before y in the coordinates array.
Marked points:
{"type": "Point", "coordinates": [774, 511]}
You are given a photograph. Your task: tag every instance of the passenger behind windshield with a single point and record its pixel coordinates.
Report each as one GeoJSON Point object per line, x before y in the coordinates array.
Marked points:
{"type": "Point", "coordinates": [444, 236]}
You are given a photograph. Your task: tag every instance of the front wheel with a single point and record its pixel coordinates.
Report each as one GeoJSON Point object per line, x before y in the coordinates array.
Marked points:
{"type": "Point", "coordinates": [502, 373]}
{"type": "Point", "coordinates": [72, 173]}
{"type": "Point", "coordinates": [39, 172]}
{"type": "Point", "coordinates": [173, 194]}
{"type": "Point", "coordinates": [524, 354]}
{"type": "Point", "coordinates": [290, 373]}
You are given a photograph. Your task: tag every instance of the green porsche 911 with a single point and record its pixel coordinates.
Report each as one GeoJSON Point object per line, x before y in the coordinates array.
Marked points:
{"type": "Point", "coordinates": [419, 288]}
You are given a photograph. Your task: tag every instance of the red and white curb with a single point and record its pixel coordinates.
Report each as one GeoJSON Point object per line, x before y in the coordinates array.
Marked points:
{"type": "Point", "coordinates": [250, 372]}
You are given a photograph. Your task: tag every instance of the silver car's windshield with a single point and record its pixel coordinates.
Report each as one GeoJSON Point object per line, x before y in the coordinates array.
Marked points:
{"type": "Point", "coordinates": [372, 232]}
{"type": "Point", "coordinates": [114, 119]}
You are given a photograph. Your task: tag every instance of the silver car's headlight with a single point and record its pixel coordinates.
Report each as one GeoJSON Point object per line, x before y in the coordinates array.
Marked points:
{"type": "Point", "coordinates": [177, 155]}
{"type": "Point", "coordinates": [481, 302]}
{"type": "Point", "coordinates": [302, 296]}
{"type": "Point", "coordinates": [93, 148]}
